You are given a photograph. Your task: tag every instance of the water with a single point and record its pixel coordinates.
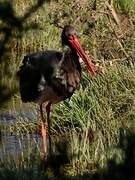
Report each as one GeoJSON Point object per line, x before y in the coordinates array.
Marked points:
{"type": "Point", "coordinates": [12, 144]}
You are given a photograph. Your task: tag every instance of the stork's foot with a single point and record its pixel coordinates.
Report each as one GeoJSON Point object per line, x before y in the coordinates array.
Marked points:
{"type": "Point", "coordinates": [48, 110]}
{"type": "Point", "coordinates": [43, 134]}
{"type": "Point", "coordinates": [43, 128]}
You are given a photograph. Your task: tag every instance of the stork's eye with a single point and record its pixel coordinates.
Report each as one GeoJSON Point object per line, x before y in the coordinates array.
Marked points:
{"type": "Point", "coordinates": [70, 36]}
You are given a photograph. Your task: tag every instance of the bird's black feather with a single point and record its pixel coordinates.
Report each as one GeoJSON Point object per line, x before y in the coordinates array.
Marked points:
{"type": "Point", "coordinates": [29, 78]}
{"type": "Point", "coordinates": [60, 70]}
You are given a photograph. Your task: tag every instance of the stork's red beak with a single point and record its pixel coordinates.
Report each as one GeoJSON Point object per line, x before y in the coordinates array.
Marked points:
{"type": "Point", "coordinates": [76, 44]}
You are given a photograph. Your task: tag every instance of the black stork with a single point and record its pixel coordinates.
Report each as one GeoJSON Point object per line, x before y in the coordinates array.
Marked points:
{"type": "Point", "coordinates": [52, 76]}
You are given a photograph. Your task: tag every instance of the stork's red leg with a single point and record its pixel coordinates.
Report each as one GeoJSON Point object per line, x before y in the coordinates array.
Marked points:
{"type": "Point", "coordinates": [48, 110]}
{"type": "Point", "coordinates": [43, 129]}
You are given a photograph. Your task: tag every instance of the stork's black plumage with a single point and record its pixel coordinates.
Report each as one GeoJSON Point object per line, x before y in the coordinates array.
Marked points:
{"type": "Point", "coordinates": [59, 71]}
{"type": "Point", "coordinates": [52, 76]}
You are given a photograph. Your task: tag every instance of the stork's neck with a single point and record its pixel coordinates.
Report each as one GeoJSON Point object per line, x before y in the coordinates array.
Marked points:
{"type": "Point", "coordinates": [73, 52]}
{"type": "Point", "coordinates": [75, 57]}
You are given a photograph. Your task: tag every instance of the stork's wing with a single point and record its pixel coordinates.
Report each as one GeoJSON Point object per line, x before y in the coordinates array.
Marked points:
{"type": "Point", "coordinates": [34, 67]}
{"type": "Point", "coordinates": [55, 69]}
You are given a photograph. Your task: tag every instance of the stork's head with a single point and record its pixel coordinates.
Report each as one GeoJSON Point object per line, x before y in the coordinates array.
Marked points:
{"type": "Point", "coordinates": [67, 34]}
{"type": "Point", "coordinates": [69, 38]}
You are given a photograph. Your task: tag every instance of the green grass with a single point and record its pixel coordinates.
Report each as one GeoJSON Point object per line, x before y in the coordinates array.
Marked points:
{"type": "Point", "coordinates": [92, 119]}
{"type": "Point", "coordinates": [125, 6]}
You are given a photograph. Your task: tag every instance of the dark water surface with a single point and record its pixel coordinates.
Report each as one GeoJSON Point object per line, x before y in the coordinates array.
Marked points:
{"type": "Point", "coordinates": [12, 144]}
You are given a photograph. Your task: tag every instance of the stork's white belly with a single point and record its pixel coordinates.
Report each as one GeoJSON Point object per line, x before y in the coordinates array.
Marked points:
{"type": "Point", "coordinates": [46, 93]}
